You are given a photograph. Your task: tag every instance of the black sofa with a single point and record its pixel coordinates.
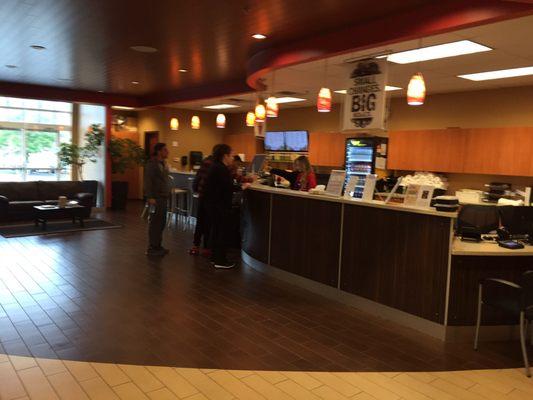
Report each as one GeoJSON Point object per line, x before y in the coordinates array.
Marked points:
{"type": "Point", "coordinates": [18, 198]}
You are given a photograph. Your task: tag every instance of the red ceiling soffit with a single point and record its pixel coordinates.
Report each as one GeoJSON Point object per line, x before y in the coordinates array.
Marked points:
{"type": "Point", "coordinates": [439, 17]}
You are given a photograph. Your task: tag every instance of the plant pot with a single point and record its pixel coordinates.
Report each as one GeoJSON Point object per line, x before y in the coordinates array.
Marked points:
{"type": "Point", "coordinates": [119, 195]}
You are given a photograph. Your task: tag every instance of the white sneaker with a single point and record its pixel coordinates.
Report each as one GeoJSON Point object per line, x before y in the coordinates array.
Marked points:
{"type": "Point", "coordinates": [227, 265]}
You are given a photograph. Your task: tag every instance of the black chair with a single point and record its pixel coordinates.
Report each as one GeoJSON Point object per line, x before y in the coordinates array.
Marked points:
{"type": "Point", "coordinates": [516, 299]}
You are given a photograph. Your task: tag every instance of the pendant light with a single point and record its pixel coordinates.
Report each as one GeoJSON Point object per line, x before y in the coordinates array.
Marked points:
{"type": "Point", "coordinates": [323, 102]}
{"type": "Point", "coordinates": [272, 106]}
{"type": "Point", "coordinates": [195, 122]}
{"type": "Point", "coordinates": [416, 91]}
{"type": "Point", "coordinates": [174, 124]}
{"type": "Point", "coordinates": [221, 121]}
{"type": "Point", "coordinates": [260, 110]}
{"type": "Point", "coordinates": [250, 118]}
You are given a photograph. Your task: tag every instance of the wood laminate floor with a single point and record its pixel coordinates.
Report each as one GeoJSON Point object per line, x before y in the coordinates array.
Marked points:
{"type": "Point", "coordinates": [94, 297]}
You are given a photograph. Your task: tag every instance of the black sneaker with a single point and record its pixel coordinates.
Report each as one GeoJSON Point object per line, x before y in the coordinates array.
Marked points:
{"type": "Point", "coordinates": [224, 265]}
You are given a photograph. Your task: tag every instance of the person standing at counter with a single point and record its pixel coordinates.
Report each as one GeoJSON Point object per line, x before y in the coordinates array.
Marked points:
{"type": "Point", "coordinates": [202, 222]}
{"type": "Point", "coordinates": [218, 200]}
{"type": "Point", "coordinates": [301, 178]}
{"type": "Point", "coordinates": [157, 190]}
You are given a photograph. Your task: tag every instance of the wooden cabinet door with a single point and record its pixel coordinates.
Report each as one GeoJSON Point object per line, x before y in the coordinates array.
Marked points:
{"type": "Point", "coordinates": [499, 151]}
{"type": "Point", "coordinates": [327, 148]}
{"type": "Point", "coordinates": [441, 150]}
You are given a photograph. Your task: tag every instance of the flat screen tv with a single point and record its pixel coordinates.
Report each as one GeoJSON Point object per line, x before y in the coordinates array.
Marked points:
{"type": "Point", "coordinates": [295, 141]}
{"type": "Point", "coordinates": [274, 141]}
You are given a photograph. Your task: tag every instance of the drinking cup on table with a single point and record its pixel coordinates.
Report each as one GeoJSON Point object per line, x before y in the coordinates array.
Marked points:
{"type": "Point", "coordinates": [62, 201]}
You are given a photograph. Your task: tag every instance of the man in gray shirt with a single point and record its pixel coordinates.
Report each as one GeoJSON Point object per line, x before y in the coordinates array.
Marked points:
{"type": "Point", "coordinates": [157, 190]}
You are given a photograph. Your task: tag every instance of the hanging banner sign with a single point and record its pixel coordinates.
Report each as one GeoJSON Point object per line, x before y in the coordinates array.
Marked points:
{"type": "Point", "coordinates": [364, 104]}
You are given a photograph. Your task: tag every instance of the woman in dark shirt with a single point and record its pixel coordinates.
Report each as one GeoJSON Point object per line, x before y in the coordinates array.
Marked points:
{"type": "Point", "coordinates": [301, 178]}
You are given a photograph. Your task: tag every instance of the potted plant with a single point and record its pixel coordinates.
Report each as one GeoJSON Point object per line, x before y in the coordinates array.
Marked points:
{"type": "Point", "coordinates": [77, 156]}
{"type": "Point", "coordinates": [124, 154]}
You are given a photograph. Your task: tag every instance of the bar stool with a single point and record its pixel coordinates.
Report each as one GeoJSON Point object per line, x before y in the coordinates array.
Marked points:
{"type": "Point", "coordinates": [178, 205]}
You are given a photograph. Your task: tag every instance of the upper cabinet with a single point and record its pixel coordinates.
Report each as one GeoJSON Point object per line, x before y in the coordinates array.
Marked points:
{"type": "Point", "coordinates": [495, 151]}
{"type": "Point", "coordinates": [431, 150]}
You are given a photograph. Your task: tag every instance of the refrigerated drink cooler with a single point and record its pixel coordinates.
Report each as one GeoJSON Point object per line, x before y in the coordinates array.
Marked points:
{"type": "Point", "coordinates": [360, 159]}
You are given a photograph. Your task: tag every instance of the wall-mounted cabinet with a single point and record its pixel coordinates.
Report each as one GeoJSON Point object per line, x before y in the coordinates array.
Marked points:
{"type": "Point", "coordinates": [495, 151]}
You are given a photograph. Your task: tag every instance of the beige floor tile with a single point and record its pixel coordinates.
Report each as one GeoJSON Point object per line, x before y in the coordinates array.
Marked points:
{"type": "Point", "coordinates": [239, 374]}
{"type": "Point", "coordinates": [294, 390]}
{"type": "Point", "coordinates": [67, 387]}
{"type": "Point", "coordinates": [486, 392]}
{"type": "Point", "coordinates": [129, 391]}
{"type": "Point", "coordinates": [422, 376]}
{"type": "Point", "coordinates": [365, 396]}
{"type": "Point", "coordinates": [97, 389]}
{"type": "Point", "coordinates": [303, 379]}
{"type": "Point", "coordinates": [430, 391]}
{"type": "Point", "coordinates": [456, 391]}
{"type": "Point", "coordinates": [272, 376]}
{"type": "Point", "coordinates": [234, 386]}
{"type": "Point", "coordinates": [36, 384]}
{"type": "Point", "coordinates": [366, 385]}
{"type": "Point", "coordinates": [267, 389]}
{"type": "Point", "coordinates": [23, 398]}
{"type": "Point", "coordinates": [387, 382]}
{"type": "Point", "coordinates": [488, 379]}
{"type": "Point", "coordinates": [3, 358]}
{"type": "Point", "coordinates": [82, 371]}
{"type": "Point", "coordinates": [20, 363]}
{"type": "Point", "coordinates": [455, 377]}
{"type": "Point", "coordinates": [327, 393]}
{"type": "Point", "coordinates": [142, 377]}
{"type": "Point", "coordinates": [197, 396]}
{"type": "Point", "coordinates": [173, 381]}
{"type": "Point", "coordinates": [10, 385]}
{"type": "Point", "coordinates": [204, 384]}
{"type": "Point", "coordinates": [518, 395]}
{"type": "Point", "coordinates": [208, 370]}
{"type": "Point", "coordinates": [111, 373]}
{"type": "Point", "coordinates": [50, 366]}
{"type": "Point", "coordinates": [162, 394]}
{"type": "Point", "coordinates": [336, 383]}
{"type": "Point", "coordinates": [518, 381]}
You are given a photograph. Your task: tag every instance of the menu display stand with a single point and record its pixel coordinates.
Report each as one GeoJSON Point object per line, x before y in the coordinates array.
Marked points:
{"type": "Point", "coordinates": [335, 182]}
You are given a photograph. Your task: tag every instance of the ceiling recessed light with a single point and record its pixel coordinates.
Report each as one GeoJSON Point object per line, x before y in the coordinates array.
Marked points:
{"type": "Point", "coordinates": [144, 49]}
{"type": "Point", "coordinates": [122, 108]}
{"type": "Point", "coordinates": [100, 91]}
{"type": "Point", "coordinates": [182, 70]}
{"type": "Point", "coordinates": [134, 82]}
{"type": "Point", "coordinates": [11, 66]}
{"type": "Point", "coordinates": [387, 89]}
{"type": "Point", "coordinates": [259, 36]}
{"type": "Point", "coordinates": [452, 49]}
{"type": "Point", "coordinates": [221, 106]}
{"type": "Point", "coordinates": [500, 74]}
{"type": "Point", "coordinates": [37, 47]}
{"type": "Point", "coordinates": [282, 100]}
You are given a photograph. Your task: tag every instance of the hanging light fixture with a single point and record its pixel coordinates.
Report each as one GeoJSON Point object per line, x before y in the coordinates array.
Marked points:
{"type": "Point", "coordinates": [323, 103]}
{"type": "Point", "coordinates": [195, 122]}
{"type": "Point", "coordinates": [260, 110]}
{"type": "Point", "coordinates": [416, 91]}
{"type": "Point", "coordinates": [250, 118]}
{"type": "Point", "coordinates": [221, 121]}
{"type": "Point", "coordinates": [272, 107]}
{"type": "Point", "coordinates": [174, 124]}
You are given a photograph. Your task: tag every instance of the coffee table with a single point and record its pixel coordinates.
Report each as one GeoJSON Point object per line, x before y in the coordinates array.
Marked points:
{"type": "Point", "coordinates": [45, 213]}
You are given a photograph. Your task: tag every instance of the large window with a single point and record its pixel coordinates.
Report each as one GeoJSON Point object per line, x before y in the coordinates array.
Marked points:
{"type": "Point", "coordinates": [30, 134]}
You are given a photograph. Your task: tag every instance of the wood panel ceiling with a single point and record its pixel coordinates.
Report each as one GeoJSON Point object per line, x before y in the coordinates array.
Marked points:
{"type": "Point", "coordinates": [88, 41]}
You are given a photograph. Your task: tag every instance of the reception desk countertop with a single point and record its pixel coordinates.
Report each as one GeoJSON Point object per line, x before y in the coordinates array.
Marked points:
{"type": "Point", "coordinates": [460, 248]}
{"type": "Point", "coordinates": [340, 199]}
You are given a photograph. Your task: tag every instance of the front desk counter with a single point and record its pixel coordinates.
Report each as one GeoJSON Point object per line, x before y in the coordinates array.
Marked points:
{"type": "Point", "coordinates": [393, 261]}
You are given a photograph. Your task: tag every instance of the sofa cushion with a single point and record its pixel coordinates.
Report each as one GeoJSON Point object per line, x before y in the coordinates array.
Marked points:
{"type": "Point", "coordinates": [52, 190]}
{"type": "Point", "coordinates": [20, 191]}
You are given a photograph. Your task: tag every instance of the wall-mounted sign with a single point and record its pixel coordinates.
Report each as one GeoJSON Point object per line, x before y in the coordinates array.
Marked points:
{"type": "Point", "coordinates": [364, 103]}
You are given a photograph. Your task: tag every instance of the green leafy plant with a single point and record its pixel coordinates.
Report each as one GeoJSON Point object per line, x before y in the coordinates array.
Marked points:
{"type": "Point", "coordinates": [125, 154]}
{"type": "Point", "coordinates": [77, 156]}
